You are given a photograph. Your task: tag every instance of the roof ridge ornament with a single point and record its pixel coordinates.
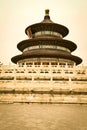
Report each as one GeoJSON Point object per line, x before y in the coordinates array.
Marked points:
{"type": "Point", "coordinates": [47, 12]}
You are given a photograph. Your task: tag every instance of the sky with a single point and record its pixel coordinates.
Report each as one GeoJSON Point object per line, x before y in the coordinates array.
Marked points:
{"type": "Point", "coordinates": [16, 15]}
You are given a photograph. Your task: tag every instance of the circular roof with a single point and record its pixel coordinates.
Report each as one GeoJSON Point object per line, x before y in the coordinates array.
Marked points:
{"type": "Point", "coordinates": [48, 25]}
{"type": "Point", "coordinates": [46, 41]}
{"type": "Point", "coordinates": [52, 53]}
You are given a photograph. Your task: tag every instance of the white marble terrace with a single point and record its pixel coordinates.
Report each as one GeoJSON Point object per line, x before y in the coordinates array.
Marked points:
{"type": "Point", "coordinates": [42, 71]}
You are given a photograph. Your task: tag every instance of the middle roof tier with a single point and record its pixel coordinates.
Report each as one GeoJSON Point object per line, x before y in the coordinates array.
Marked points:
{"type": "Point", "coordinates": [47, 41]}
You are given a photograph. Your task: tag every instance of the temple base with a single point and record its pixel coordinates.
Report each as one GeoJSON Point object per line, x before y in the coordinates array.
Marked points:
{"type": "Point", "coordinates": [43, 92]}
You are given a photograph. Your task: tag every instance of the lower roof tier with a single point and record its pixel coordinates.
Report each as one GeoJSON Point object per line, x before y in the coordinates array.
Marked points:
{"type": "Point", "coordinates": [47, 53]}
{"type": "Point", "coordinates": [46, 41]}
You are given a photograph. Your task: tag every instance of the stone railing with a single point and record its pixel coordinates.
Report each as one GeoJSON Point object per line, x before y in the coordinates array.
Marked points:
{"type": "Point", "coordinates": [48, 73]}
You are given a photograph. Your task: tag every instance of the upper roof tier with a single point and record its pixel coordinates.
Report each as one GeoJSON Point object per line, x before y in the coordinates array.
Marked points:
{"type": "Point", "coordinates": [47, 25]}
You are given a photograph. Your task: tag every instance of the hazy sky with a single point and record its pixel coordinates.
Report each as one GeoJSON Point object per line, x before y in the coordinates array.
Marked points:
{"type": "Point", "coordinates": [16, 15]}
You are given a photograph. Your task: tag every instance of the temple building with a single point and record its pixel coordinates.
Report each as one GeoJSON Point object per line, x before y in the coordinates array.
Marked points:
{"type": "Point", "coordinates": [46, 71]}
{"type": "Point", "coordinates": [45, 45]}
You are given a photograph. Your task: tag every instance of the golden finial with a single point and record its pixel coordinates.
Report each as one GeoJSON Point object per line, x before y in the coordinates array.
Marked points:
{"type": "Point", "coordinates": [47, 12]}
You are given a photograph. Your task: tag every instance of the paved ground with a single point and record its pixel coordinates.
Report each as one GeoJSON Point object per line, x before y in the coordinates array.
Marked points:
{"type": "Point", "coordinates": [43, 117]}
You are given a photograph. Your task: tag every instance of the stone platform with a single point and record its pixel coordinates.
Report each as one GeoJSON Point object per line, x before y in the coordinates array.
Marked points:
{"type": "Point", "coordinates": [43, 92]}
{"type": "Point", "coordinates": [30, 85]}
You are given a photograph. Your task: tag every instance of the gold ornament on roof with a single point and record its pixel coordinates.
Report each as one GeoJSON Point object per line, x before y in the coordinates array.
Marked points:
{"type": "Point", "coordinates": [47, 12]}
